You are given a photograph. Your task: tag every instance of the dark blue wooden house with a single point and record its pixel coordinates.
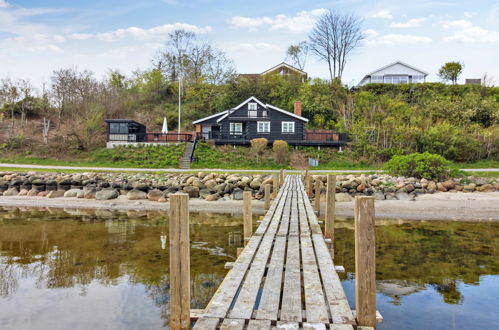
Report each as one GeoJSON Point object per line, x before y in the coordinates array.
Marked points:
{"type": "Point", "coordinates": [253, 119]}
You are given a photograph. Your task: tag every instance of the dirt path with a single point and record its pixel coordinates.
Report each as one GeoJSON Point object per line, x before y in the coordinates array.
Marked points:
{"type": "Point", "coordinates": [441, 206]}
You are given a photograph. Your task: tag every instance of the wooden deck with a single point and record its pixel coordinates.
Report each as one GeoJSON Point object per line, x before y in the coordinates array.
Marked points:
{"type": "Point", "coordinates": [285, 277]}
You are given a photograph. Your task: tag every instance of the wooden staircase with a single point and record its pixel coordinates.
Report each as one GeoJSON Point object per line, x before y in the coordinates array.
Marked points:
{"type": "Point", "coordinates": [185, 161]}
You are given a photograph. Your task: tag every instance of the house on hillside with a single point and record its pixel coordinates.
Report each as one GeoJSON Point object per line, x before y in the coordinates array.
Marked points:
{"type": "Point", "coordinates": [395, 73]}
{"type": "Point", "coordinates": [253, 119]}
{"type": "Point", "coordinates": [282, 69]}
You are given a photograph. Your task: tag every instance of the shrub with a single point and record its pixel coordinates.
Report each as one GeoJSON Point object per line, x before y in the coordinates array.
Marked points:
{"type": "Point", "coordinates": [425, 165]}
{"type": "Point", "coordinates": [259, 145]}
{"type": "Point", "coordinates": [281, 151]}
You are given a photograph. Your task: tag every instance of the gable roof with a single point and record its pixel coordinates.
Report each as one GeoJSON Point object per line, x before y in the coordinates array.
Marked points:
{"type": "Point", "coordinates": [394, 63]}
{"type": "Point", "coordinates": [210, 117]}
{"type": "Point", "coordinates": [285, 65]}
{"type": "Point", "coordinates": [266, 106]}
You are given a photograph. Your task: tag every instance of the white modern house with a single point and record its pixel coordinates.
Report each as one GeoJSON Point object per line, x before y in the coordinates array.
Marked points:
{"type": "Point", "coordinates": [395, 73]}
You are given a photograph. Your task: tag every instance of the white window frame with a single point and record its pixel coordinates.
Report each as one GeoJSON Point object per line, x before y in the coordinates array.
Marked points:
{"type": "Point", "coordinates": [252, 113]}
{"type": "Point", "coordinates": [263, 127]}
{"type": "Point", "coordinates": [236, 128]}
{"type": "Point", "coordinates": [288, 127]}
{"type": "Point", "coordinates": [252, 106]}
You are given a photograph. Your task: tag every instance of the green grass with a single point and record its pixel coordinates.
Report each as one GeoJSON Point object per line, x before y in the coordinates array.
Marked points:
{"type": "Point", "coordinates": [227, 157]}
{"type": "Point", "coordinates": [481, 174]}
{"type": "Point", "coordinates": [484, 163]}
{"type": "Point", "coordinates": [132, 157]}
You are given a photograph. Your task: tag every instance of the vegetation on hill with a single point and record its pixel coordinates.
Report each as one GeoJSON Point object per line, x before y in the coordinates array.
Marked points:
{"type": "Point", "coordinates": [458, 122]}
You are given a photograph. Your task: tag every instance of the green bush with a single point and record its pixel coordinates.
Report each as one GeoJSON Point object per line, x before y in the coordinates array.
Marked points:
{"type": "Point", "coordinates": [425, 165]}
{"type": "Point", "coordinates": [281, 151]}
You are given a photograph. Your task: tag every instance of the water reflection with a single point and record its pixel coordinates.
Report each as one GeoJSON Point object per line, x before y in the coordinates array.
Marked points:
{"type": "Point", "coordinates": [427, 269]}
{"type": "Point", "coordinates": [118, 261]}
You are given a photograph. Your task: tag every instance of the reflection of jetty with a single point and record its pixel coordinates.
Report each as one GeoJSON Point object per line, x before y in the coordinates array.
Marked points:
{"type": "Point", "coordinates": [285, 276]}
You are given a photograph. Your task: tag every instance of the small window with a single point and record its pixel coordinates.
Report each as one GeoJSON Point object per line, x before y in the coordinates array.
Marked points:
{"type": "Point", "coordinates": [288, 127]}
{"type": "Point", "coordinates": [124, 128]}
{"type": "Point", "coordinates": [252, 106]}
{"type": "Point", "coordinates": [263, 127]}
{"type": "Point", "coordinates": [114, 128]}
{"type": "Point", "coordinates": [264, 113]}
{"type": "Point", "coordinates": [236, 128]}
{"type": "Point", "coordinates": [252, 113]}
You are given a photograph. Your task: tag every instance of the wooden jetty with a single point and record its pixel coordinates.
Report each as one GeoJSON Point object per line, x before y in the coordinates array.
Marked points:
{"type": "Point", "coordinates": [284, 277]}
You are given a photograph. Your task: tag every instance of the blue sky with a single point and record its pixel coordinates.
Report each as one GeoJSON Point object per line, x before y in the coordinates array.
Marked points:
{"type": "Point", "coordinates": [37, 37]}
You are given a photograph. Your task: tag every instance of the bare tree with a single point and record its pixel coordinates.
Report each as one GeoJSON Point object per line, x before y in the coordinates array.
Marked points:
{"type": "Point", "coordinates": [26, 90]}
{"type": "Point", "coordinates": [333, 39]}
{"type": "Point", "coordinates": [10, 94]}
{"type": "Point", "coordinates": [298, 54]}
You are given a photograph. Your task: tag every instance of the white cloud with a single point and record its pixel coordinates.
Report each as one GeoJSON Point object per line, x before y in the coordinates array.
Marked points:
{"type": "Point", "coordinates": [465, 31]}
{"type": "Point", "coordinates": [137, 33]}
{"type": "Point", "coordinates": [384, 13]}
{"type": "Point", "coordinates": [375, 38]}
{"type": "Point", "coordinates": [301, 22]}
{"type": "Point", "coordinates": [3, 4]}
{"type": "Point", "coordinates": [413, 22]}
{"type": "Point", "coordinates": [255, 47]}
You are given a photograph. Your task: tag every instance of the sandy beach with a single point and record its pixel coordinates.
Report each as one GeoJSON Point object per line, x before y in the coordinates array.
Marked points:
{"type": "Point", "coordinates": [440, 206]}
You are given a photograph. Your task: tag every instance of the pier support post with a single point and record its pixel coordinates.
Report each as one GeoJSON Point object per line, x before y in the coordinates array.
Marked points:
{"type": "Point", "coordinates": [266, 205]}
{"type": "Point", "coordinates": [305, 176]}
{"type": "Point", "coordinates": [330, 207]}
{"type": "Point", "coordinates": [275, 186]}
{"type": "Point", "coordinates": [180, 283]}
{"type": "Point", "coordinates": [309, 186]}
{"type": "Point", "coordinates": [365, 261]}
{"type": "Point", "coordinates": [247, 216]}
{"type": "Point", "coordinates": [317, 201]}
{"type": "Point", "coordinates": [281, 177]}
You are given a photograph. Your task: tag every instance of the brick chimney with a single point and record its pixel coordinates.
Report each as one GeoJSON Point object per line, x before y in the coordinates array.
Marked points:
{"type": "Point", "coordinates": [298, 108]}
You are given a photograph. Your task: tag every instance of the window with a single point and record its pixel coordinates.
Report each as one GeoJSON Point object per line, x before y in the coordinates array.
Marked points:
{"type": "Point", "coordinates": [252, 106]}
{"type": "Point", "coordinates": [376, 79]}
{"type": "Point", "coordinates": [236, 128]}
{"type": "Point", "coordinates": [288, 127]}
{"type": "Point", "coordinates": [118, 128]}
{"type": "Point", "coordinates": [263, 127]}
{"type": "Point", "coordinates": [396, 79]}
{"type": "Point", "coordinates": [252, 113]}
{"type": "Point", "coordinates": [264, 113]}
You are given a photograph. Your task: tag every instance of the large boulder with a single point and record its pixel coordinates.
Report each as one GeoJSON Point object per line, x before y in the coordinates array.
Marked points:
{"type": "Point", "coordinates": [154, 195]}
{"type": "Point", "coordinates": [343, 197]}
{"type": "Point", "coordinates": [484, 188]}
{"type": "Point", "coordinates": [89, 193]}
{"type": "Point", "coordinates": [237, 194]}
{"type": "Point", "coordinates": [210, 184]}
{"type": "Point", "coordinates": [135, 194]}
{"type": "Point", "coordinates": [449, 184]}
{"type": "Point", "coordinates": [32, 193]}
{"type": "Point", "coordinates": [106, 194]}
{"type": "Point", "coordinates": [469, 187]}
{"type": "Point", "coordinates": [431, 187]}
{"type": "Point", "coordinates": [192, 191]}
{"type": "Point", "coordinates": [212, 197]}
{"type": "Point", "coordinates": [255, 184]}
{"type": "Point", "coordinates": [379, 195]}
{"type": "Point", "coordinates": [72, 193]}
{"type": "Point", "coordinates": [56, 194]}
{"type": "Point", "coordinates": [403, 196]}
{"type": "Point", "coordinates": [11, 192]}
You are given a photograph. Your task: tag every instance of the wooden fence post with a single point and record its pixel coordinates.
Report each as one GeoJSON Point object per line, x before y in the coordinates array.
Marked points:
{"type": "Point", "coordinates": [247, 216]}
{"type": "Point", "coordinates": [309, 186]}
{"type": "Point", "coordinates": [266, 205]}
{"type": "Point", "coordinates": [281, 177]}
{"type": "Point", "coordinates": [180, 282]}
{"type": "Point", "coordinates": [317, 201]}
{"type": "Point", "coordinates": [275, 186]}
{"type": "Point", "coordinates": [330, 207]}
{"type": "Point", "coordinates": [365, 261]}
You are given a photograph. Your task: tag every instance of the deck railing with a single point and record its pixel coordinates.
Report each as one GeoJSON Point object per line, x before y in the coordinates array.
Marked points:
{"type": "Point", "coordinates": [152, 137]}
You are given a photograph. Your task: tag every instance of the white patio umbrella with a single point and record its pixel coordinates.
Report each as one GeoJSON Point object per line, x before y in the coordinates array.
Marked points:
{"type": "Point", "coordinates": [164, 130]}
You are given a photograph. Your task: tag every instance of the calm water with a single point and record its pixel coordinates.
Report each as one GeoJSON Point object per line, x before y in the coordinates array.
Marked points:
{"type": "Point", "coordinates": [101, 270]}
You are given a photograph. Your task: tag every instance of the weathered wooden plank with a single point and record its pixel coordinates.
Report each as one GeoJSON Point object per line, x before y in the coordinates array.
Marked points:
{"type": "Point", "coordinates": [259, 325]}
{"type": "Point", "coordinates": [206, 323]}
{"type": "Point", "coordinates": [232, 324]}
{"type": "Point", "coordinates": [365, 261]}
{"type": "Point", "coordinates": [220, 303]}
{"type": "Point", "coordinates": [341, 327]}
{"type": "Point", "coordinates": [314, 326]}
{"type": "Point", "coordinates": [379, 317]}
{"type": "Point", "coordinates": [291, 298]}
{"type": "Point", "coordinates": [285, 325]}
{"type": "Point", "coordinates": [247, 214]}
{"type": "Point", "coordinates": [243, 307]}
{"type": "Point", "coordinates": [315, 302]}
{"type": "Point", "coordinates": [271, 294]}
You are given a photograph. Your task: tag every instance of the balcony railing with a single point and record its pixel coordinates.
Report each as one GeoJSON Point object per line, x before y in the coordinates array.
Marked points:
{"type": "Point", "coordinates": [151, 137]}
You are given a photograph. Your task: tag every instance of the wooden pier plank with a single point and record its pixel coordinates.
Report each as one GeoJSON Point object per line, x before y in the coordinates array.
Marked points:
{"type": "Point", "coordinates": [259, 325]}
{"type": "Point", "coordinates": [232, 324]}
{"type": "Point", "coordinates": [291, 298]}
{"type": "Point", "coordinates": [206, 323]}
